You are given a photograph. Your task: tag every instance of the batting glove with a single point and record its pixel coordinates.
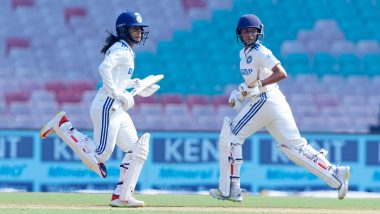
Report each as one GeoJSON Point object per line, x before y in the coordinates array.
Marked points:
{"type": "Point", "coordinates": [236, 99]}
{"type": "Point", "coordinates": [250, 91]}
{"type": "Point", "coordinates": [132, 83]}
{"type": "Point", "coordinates": [126, 99]}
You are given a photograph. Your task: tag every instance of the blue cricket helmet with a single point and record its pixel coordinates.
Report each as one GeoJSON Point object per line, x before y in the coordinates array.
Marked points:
{"type": "Point", "coordinates": [250, 21]}
{"type": "Point", "coordinates": [130, 19]}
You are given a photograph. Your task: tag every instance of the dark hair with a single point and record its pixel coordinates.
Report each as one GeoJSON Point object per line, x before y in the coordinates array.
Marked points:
{"type": "Point", "coordinates": [110, 40]}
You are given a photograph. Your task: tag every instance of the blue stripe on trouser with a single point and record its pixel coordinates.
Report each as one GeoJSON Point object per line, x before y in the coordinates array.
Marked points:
{"type": "Point", "coordinates": [106, 103]}
{"type": "Point", "coordinates": [105, 123]}
{"type": "Point", "coordinates": [243, 119]}
{"type": "Point", "coordinates": [248, 116]}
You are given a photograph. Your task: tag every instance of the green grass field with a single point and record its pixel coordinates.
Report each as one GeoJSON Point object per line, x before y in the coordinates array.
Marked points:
{"type": "Point", "coordinates": [98, 203]}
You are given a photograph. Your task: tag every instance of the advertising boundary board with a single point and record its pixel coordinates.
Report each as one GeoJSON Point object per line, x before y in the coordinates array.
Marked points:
{"type": "Point", "coordinates": [184, 161]}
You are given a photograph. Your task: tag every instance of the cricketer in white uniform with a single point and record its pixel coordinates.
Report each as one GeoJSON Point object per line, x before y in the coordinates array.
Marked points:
{"type": "Point", "coordinates": [112, 124]}
{"type": "Point", "coordinates": [266, 107]}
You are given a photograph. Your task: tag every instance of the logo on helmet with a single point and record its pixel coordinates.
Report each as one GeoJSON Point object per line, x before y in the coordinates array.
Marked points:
{"type": "Point", "coordinates": [138, 17]}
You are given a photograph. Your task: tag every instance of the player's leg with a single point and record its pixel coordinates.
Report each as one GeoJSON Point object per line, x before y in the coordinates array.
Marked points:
{"type": "Point", "coordinates": [82, 145]}
{"type": "Point", "coordinates": [230, 160]}
{"type": "Point", "coordinates": [285, 132]}
{"type": "Point", "coordinates": [106, 128]}
{"type": "Point", "coordinates": [132, 164]}
{"type": "Point", "coordinates": [126, 139]}
{"type": "Point", "coordinates": [250, 119]}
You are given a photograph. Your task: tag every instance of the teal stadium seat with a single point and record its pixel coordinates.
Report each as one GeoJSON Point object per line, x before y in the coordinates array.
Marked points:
{"type": "Point", "coordinates": [244, 7]}
{"type": "Point", "coordinates": [371, 64]}
{"type": "Point", "coordinates": [324, 63]}
{"type": "Point", "coordinates": [297, 63]}
{"type": "Point", "coordinates": [210, 45]}
{"type": "Point", "coordinates": [349, 64]}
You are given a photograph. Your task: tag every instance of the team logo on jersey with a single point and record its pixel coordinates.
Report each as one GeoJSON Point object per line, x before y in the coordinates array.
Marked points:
{"type": "Point", "coordinates": [138, 17]}
{"type": "Point", "coordinates": [249, 59]}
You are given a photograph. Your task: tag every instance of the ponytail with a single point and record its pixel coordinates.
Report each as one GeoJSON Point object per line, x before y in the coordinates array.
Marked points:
{"type": "Point", "coordinates": [110, 40]}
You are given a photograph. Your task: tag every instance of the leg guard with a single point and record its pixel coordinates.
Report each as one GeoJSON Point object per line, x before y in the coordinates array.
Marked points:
{"type": "Point", "coordinates": [134, 162]}
{"type": "Point", "coordinates": [83, 146]}
{"type": "Point", "coordinates": [313, 161]}
{"type": "Point", "coordinates": [236, 161]}
{"type": "Point", "coordinates": [230, 160]}
{"type": "Point", "coordinates": [224, 158]}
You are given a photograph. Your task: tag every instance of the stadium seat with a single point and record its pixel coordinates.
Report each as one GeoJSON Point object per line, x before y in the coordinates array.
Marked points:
{"type": "Point", "coordinates": [71, 12]}
{"type": "Point", "coordinates": [15, 42]}
{"type": "Point", "coordinates": [148, 109]}
{"type": "Point", "coordinates": [317, 38]}
{"type": "Point", "coordinates": [19, 108]}
{"type": "Point", "coordinates": [172, 109]}
{"type": "Point", "coordinates": [22, 3]}
{"type": "Point", "coordinates": [192, 100]}
{"type": "Point", "coordinates": [18, 96]}
{"type": "Point", "coordinates": [365, 47]}
{"type": "Point", "coordinates": [171, 98]}
{"type": "Point", "coordinates": [202, 110]}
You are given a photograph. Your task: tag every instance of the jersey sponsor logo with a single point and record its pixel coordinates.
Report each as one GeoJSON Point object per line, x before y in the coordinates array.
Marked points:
{"type": "Point", "coordinates": [246, 71]}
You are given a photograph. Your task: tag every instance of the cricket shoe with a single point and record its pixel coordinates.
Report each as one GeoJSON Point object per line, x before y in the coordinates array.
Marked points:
{"type": "Point", "coordinates": [234, 196]}
{"type": "Point", "coordinates": [343, 174]}
{"type": "Point", "coordinates": [57, 121]}
{"type": "Point", "coordinates": [130, 202]}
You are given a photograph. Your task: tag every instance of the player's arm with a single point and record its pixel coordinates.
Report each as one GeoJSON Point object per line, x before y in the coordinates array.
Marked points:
{"type": "Point", "coordinates": [278, 74]}
{"type": "Point", "coordinates": [105, 69]}
{"type": "Point", "coordinates": [111, 60]}
{"type": "Point", "coordinates": [267, 60]}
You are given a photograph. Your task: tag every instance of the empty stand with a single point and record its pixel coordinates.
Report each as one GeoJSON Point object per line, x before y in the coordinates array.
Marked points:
{"type": "Point", "coordinates": [50, 56]}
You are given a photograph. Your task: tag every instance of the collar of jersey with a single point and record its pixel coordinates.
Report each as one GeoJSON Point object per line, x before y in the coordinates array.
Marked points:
{"type": "Point", "coordinates": [126, 44]}
{"type": "Point", "coordinates": [255, 44]}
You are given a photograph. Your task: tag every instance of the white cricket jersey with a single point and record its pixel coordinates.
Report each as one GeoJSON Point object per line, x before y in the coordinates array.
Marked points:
{"type": "Point", "coordinates": [117, 68]}
{"type": "Point", "coordinates": [256, 63]}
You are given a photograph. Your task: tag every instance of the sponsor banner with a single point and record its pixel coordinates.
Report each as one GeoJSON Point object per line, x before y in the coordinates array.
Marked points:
{"type": "Point", "coordinates": [183, 161]}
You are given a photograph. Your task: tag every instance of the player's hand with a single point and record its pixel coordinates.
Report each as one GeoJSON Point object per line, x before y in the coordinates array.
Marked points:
{"type": "Point", "coordinates": [126, 99]}
{"type": "Point", "coordinates": [132, 83]}
{"type": "Point", "coordinates": [149, 91]}
{"type": "Point", "coordinates": [235, 100]}
{"type": "Point", "coordinates": [250, 92]}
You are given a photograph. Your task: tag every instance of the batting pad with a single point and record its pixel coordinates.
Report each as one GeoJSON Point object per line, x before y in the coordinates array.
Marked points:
{"type": "Point", "coordinates": [134, 161]}
{"type": "Point", "coordinates": [316, 164]}
{"type": "Point", "coordinates": [224, 158]}
{"type": "Point", "coordinates": [82, 145]}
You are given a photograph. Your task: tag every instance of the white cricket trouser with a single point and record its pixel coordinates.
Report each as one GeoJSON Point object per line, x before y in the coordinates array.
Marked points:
{"type": "Point", "coordinates": [111, 127]}
{"type": "Point", "coordinates": [269, 110]}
